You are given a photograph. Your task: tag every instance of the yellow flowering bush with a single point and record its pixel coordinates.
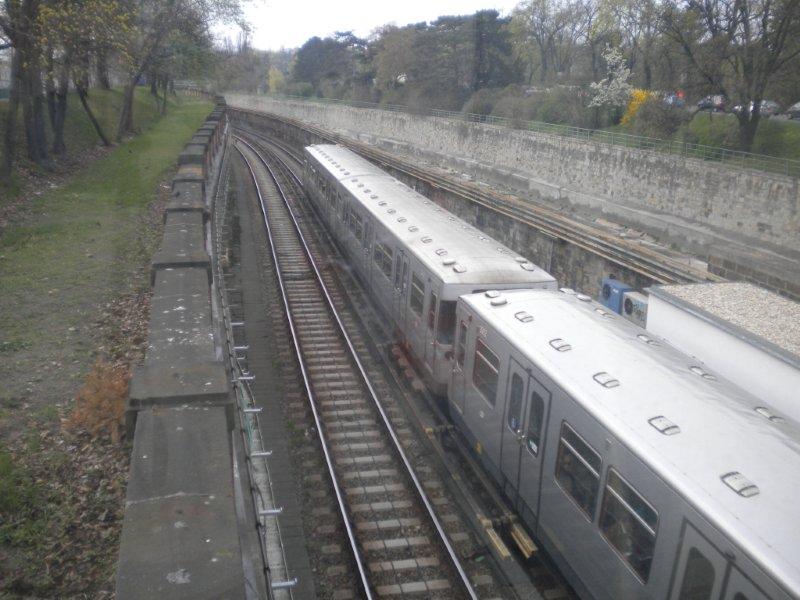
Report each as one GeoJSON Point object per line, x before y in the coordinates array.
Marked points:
{"type": "Point", "coordinates": [638, 97]}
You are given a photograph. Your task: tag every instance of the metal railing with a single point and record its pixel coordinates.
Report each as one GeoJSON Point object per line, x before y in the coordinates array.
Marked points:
{"type": "Point", "coordinates": [272, 552]}
{"type": "Point", "coordinates": [728, 158]}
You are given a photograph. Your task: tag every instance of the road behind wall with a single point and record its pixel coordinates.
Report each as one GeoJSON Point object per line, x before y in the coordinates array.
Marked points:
{"type": "Point", "coordinates": [688, 202]}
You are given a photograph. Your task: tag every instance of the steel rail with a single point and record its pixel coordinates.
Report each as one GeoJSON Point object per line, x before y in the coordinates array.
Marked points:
{"type": "Point", "coordinates": [638, 260]}
{"type": "Point", "coordinates": [466, 584]}
{"type": "Point", "coordinates": [307, 384]}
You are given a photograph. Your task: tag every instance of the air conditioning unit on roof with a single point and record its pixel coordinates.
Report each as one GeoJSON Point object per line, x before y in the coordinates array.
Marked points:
{"type": "Point", "coordinates": [634, 307]}
{"type": "Point", "coordinates": [611, 291]}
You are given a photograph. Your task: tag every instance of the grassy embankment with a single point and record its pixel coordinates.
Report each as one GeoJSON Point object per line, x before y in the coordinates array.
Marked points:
{"type": "Point", "coordinates": [79, 135]}
{"type": "Point", "coordinates": [77, 250]}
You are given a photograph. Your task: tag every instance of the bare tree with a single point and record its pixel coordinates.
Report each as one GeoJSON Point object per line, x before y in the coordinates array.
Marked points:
{"type": "Point", "coordinates": [738, 47]}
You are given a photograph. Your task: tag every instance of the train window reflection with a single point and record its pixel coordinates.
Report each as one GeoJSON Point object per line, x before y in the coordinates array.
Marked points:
{"type": "Point", "coordinates": [629, 523]}
{"type": "Point", "coordinates": [535, 420]}
{"type": "Point", "coordinates": [462, 345]}
{"type": "Point", "coordinates": [417, 299]}
{"type": "Point", "coordinates": [578, 470]}
{"type": "Point", "coordinates": [447, 321]}
{"type": "Point", "coordinates": [698, 577]}
{"type": "Point", "coordinates": [485, 372]}
{"type": "Point", "coordinates": [515, 403]}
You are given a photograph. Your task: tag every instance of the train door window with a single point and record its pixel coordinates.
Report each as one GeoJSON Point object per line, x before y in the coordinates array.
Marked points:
{"type": "Point", "coordinates": [535, 422]}
{"type": "Point", "coordinates": [365, 240]}
{"type": "Point", "coordinates": [629, 523]}
{"type": "Point", "coordinates": [447, 321]}
{"type": "Point", "coordinates": [417, 297]}
{"type": "Point", "coordinates": [432, 311]}
{"type": "Point", "coordinates": [405, 277]}
{"type": "Point", "coordinates": [398, 263]}
{"type": "Point", "coordinates": [462, 345]}
{"type": "Point", "coordinates": [698, 577]}
{"type": "Point", "coordinates": [578, 470]}
{"type": "Point", "coordinates": [485, 372]}
{"type": "Point", "coordinates": [514, 418]}
{"type": "Point", "coordinates": [383, 258]}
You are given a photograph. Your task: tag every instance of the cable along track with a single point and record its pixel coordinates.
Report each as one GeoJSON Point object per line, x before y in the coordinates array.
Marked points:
{"type": "Point", "coordinates": [397, 542]}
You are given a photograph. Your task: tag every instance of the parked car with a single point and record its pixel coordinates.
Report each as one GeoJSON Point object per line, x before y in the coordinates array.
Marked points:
{"type": "Point", "coordinates": [715, 102]}
{"type": "Point", "coordinates": [675, 99]}
{"type": "Point", "coordinates": [793, 112]}
{"type": "Point", "coordinates": [768, 108]}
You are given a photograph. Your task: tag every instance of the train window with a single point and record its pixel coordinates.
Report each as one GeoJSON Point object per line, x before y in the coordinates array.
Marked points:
{"type": "Point", "coordinates": [462, 344]}
{"type": "Point", "coordinates": [535, 422]}
{"type": "Point", "coordinates": [417, 297]}
{"type": "Point", "coordinates": [358, 226]}
{"type": "Point", "coordinates": [698, 577]}
{"type": "Point", "coordinates": [447, 321]}
{"type": "Point", "coordinates": [485, 372]}
{"type": "Point", "coordinates": [515, 403]}
{"type": "Point", "coordinates": [398, 259]}
{"type": "Point", "coordinates": [629, 523]}
{"type": "Point", "coordinates": [432, 311]}
{"type": "Point", "coordinates": [383, 258]}
{"type": "Point", "coordinates": [578, 470]}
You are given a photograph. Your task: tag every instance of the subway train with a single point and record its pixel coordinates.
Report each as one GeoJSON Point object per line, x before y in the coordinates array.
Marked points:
{"type": "Point", "coordinates": [642, 473]}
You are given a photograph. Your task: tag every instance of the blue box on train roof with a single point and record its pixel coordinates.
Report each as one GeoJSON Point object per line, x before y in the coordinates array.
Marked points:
{"type": "Point", "coordinates": [611, 291]}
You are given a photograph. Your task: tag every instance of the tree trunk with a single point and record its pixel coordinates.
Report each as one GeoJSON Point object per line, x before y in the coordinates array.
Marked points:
{"type": "Point", "coordinates": [748, 125]}
{"type": "Point", "coordinates": [59, 147]}
{"type": "Point", "coordinates": [10, 137]}
{"type": "Point", "coordinates": [165, 91]}
{"type": "Point", "coordinates": [126, 114]}
{"type": "Point", "coordinates": [50, 89]}
{"type": "Point", "coordinates": [82, 95]}
{"type": "Point", "coordinates": [101, 69]}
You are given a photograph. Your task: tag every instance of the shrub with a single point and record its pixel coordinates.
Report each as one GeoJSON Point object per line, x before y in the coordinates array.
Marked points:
{"type": "Point", "coordinates": [638, 98]}
{"type": "Point", "coordinates": [654, 118]}
{"type": "Point", "coordinates": [100, 403]}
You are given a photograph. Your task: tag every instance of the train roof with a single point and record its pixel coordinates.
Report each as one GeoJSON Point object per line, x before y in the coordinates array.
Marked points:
{"type": "Point", "coordinates": [734, 459]}
{"type": "Point", "coordinates": [450, 247]}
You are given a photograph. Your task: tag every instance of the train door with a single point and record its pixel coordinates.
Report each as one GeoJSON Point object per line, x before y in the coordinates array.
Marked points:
{"type": "Point", "coordinates": [366, 247]}
{"type": "Point", "coordinates": [430, 328]}
{"type": "Point", "coordinates": [700, 568]}
{"type": "Point", "coordinates": [523, 435]}
{"type": "Point", "coordinates": [457, 386]}
{"type": "Point", "coordinates": [400, 287]}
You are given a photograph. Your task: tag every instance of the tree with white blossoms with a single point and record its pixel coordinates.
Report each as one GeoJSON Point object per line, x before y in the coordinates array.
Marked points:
{"type": "Point", "coordinates": [614, 90]}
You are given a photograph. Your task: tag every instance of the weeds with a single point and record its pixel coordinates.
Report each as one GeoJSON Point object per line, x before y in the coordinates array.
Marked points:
{"type": "Point", "coordinates": [100, 403]}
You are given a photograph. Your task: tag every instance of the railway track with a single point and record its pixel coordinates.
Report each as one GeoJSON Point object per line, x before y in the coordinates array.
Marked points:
{"type": "Point", "coordinates": [397, 542]}
{"type": "Point", "coordinates": [645, 261]}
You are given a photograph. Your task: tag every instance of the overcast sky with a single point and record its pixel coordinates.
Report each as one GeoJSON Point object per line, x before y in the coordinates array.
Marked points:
{"type": "Point", "coordinates": [289, 23]}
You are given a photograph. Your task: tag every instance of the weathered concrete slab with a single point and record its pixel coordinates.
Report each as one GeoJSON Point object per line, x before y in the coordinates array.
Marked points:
{"type": "Point", "coordinates": [179, 537]}
{"type": "Point", "coordinates": [187, 196]}
{"type": "Point", "coordinates": [192, 154]}
{"type": "Point", "coordinates": [192, 173]}
{"type": "Point", "coordinates": [200, 138]}
{"type": "Point", "coordinates": [175, 384]}
{"type": "Point", "coordinates": [181, 329]}
{"type": "Point", "coordinates": [183, 244]}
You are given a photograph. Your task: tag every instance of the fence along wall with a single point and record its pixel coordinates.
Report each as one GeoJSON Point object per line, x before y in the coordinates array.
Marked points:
{"type": "Point", "coordinates": [681, 196]}
{"type": "Point", "coordinates": [180, 537]}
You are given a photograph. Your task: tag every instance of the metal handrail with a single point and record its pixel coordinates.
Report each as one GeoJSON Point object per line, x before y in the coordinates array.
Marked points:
{"type": "Point", "coordinates": [729, 158]}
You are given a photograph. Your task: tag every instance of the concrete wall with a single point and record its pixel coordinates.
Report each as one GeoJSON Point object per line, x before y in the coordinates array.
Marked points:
{"type": "Point", "coordinates": [663, 193]}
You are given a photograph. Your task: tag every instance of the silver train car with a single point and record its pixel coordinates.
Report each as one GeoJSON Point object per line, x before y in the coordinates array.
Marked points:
{"type": "Point", "coordinates": [639, 471]}
{"type": "Point", "coordinates": [415, 257]}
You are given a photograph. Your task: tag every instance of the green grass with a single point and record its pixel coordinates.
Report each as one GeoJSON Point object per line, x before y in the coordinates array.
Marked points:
{"type": "Point", "coordinates": [78, 131]}
{"type": "Point", "coordinates": [78, 247]}
{"type": "Point", "coordinates": [775, 137]}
